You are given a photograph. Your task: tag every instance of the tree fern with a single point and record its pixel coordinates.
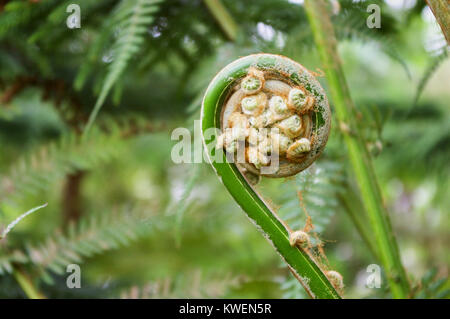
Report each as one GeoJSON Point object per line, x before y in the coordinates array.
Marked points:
{"type": "Point", "coordinates": [132, 19]}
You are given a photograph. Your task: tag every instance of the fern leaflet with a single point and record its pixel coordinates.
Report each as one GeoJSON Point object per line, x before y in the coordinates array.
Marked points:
{"type": "Point", "coordinates": [132, 19]}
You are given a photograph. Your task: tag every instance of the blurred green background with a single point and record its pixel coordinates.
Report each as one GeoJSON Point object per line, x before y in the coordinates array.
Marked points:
{"type": "Point", "coordinates": [141, 226]}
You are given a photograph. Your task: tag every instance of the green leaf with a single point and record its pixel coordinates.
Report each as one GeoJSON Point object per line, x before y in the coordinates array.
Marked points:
{"type": "Point", "coordinates": [132, 20]}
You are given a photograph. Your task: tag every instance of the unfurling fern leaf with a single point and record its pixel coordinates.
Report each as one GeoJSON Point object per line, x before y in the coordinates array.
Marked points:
{"type": "Point", "coordinates": [132, 18]}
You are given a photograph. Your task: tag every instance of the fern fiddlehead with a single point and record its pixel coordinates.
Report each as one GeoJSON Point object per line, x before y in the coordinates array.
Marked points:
{"type": "Point", "coordinates": [289, 100]}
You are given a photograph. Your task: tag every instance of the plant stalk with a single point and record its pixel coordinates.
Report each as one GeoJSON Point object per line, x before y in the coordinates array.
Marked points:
{"type": "Point", "coordinates": [27, 285]}
{"type": "Point", "coordinates": [360, 160]}
{"type": "Point", "coordinates": [441, 10]}
{"type": "Point", "coordinates": [223, 18]}
{"type": "Point", "coordinates": [355, 211]}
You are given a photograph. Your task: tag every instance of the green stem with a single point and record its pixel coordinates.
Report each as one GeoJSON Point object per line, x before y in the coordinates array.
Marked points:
{"type": "Point", "coordinates": [441, 10]}
{"type": "Point", "coordinates": [356, 212]}
{"type": "Point", "coordinates": [302, 264]}
{"type": "Point", "coordinates": [27, 285]}
{"type": "Point", "coordinates": [223, 18]}
{"type": "Point", "coordinates": [360, 160]}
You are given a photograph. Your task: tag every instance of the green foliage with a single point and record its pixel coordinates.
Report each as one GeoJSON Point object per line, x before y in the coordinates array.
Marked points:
{"type": "Point", "coordinates": [429, 71]}
{"type": "Point", "coordinates": [19, 13]}
{"type": "Point", "coordinates": [52, 162]}
{"type": "Point", "coordinates": [194, 285]}
{"type": "Point", "coordinates": [357, 153]}
{"type": "Point", "coordinates": [18, 219]}
{"type": "Point", "coordinates": [155, 65]}
{"type": "Point", "coordinates": [132, 19]}
{"type": "Point", "coordinates": [431, 286]}
{"type": "Point", "coordinates": [245, 195]}
{"type": "Point", "coordinates": [349, 26]}
{"type": "Point", "coordinates": [313, 192]}
{"type": "Point", "coordinates": [181, 206]}
{"type": "Point", "coordinates": [90, 236]}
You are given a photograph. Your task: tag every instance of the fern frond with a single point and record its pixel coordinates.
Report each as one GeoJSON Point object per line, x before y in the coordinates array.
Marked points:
{"type": "Point", "coordinates": [132, 19]}
{"type": "Point", "coordinates": [42, 167]}
{"type": "Point", "coordinates": [353, 28]}
{"type": "Point", "coordinates": [51, 162]}
{"type": "Point", "coordinates": [7, 259]}
{"type": "Point", "coordinates": [192, 285]}
{"type": "Point", "coordinates": [18, 219]}
{"type": "Point", "coordinates": [318, 187]}
{"type": "Point", "coordinates": [182, 204]}
{"type": "Point", "coordinates": [429, 71]}
{"type": "Point", "coordinates": [93, 235]}
{"type": "Point", "coordinates": [291, 289]}
{"type": "Point", "coordinates": [51, 28]}
{"type": "Point", "coordinates": [315, 196]}
{"type": "Point", "coordinates": [19, 13]}
{"type": "Point", "coordinates": [432, 287]}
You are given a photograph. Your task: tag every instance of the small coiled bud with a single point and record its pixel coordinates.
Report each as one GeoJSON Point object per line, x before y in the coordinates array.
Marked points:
{"type": "Point", "coordinates": [227, 141]}
{"type": "Point", "coordinates": [336, 279]}
{"type": "Point", "coordinates": [298, 101]}
{"type": "Point", "coordinates": [254, 104]}
{"type": "Point", "coordinates": [255, 157]}
{"type": "Point", "coordinates": [299, 238]}
{"type": "Point", "coordinates": [253, 82]}
{"type": "Point", "coordinates": [231, 146]}
{"type": "Point", "coordinates": [278, 106]}
{"type": "Point", "coordinates": [238, 120]}
{"type": "Point", "coordinates": [249, 104]}
{"type": "Point", "coordinates": [298, 148]}
{"type": "Point", "coordinates": [280, 143]}
{"type": "Point", "coordinates": [265, 146]}
{"type": "Point", "coordinates": [292, 126]}
{"type": "Point", "coordinates": [263, 120]}
{"type": "Point", "coordinates": [239, 125]}
{"type": "Point", "coordinates": [251, 85]}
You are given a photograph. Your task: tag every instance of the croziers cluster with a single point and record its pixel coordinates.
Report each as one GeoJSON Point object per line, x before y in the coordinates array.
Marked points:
{"type": "Point", "coordinates": [267, 116]}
